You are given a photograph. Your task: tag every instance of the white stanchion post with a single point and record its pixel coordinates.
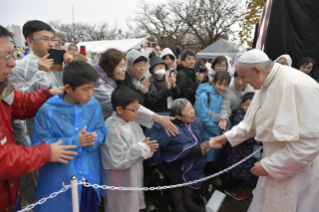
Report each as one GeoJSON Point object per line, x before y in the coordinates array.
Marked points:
{"type": "Point", "coordinates": [75, 194]}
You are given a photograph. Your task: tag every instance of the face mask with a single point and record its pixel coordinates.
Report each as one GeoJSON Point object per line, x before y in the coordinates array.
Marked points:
{"type": "Point", "coordinates": [160, 72]}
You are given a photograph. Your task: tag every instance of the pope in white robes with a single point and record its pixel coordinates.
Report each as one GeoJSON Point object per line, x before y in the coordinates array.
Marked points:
{"type": "Point", "coordinates": [283, 115]}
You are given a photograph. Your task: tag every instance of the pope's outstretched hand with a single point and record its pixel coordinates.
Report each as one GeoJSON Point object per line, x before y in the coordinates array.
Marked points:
{"type": "Point", "coordinates": [217, 142]}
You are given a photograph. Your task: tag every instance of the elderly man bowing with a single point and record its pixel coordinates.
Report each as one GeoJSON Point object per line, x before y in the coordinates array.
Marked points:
{"type": "Point", "coordinates": [284, 116]}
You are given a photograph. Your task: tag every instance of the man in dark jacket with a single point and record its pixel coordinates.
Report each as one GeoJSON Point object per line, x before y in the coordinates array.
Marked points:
{"type": "Point", "coordinates": [16, 160]}
{"type": "Point", "coordinates": [187, 79]}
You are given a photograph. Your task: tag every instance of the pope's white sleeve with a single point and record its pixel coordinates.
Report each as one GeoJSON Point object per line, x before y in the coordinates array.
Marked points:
{"type": "Point", "coordinates": [291, 159]}
{"type": "Point", "coordinates": [239, 134]}
{"type": "Point", "coordinates": [145, 117]}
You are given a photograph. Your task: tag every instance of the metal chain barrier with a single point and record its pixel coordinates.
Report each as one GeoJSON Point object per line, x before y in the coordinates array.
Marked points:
{"type": "Point", "coordinates": [29, 207]}
{"type": "Point", "coordinates": [66, 187]}
{"type": "Point", "coordinates": [171, 186]}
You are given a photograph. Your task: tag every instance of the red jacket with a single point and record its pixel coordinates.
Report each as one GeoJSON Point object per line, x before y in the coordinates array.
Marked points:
{"type": "Point", "coordinates": [15, 160]}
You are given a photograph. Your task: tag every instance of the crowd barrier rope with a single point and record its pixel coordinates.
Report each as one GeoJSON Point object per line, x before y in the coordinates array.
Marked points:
{"type": "Point", "coordinates": [75, 183]}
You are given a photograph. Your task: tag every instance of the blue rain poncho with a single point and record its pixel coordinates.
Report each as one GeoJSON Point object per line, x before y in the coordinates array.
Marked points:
{"type": "Point", "coordinates": [56, 121]}
{"type": "Point", "coordinates": [209, 114]}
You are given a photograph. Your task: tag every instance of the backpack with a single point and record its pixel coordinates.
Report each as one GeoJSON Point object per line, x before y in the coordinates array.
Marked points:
{"type": "Point", "coordinates": [208, 97]}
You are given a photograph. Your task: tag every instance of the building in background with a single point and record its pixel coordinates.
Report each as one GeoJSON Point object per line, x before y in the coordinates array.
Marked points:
{"type": "Point", "coordinates": [18, 36]}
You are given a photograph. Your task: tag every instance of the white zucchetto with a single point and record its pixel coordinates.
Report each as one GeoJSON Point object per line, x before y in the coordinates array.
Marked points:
{"type": "Point", "coordinates": [253, 56]}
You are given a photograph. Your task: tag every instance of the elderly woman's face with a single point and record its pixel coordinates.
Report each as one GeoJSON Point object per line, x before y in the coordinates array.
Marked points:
{"type": "Point", "coordinates": [282, 61]}
{"type": "Point", "coordinates": [188, 114]}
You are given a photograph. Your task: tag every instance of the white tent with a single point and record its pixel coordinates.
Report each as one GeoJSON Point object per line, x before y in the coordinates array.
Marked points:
{"type": "Point", "coordinates": [221, 47]}
{"type": "Point", "coordinates": [102, 46]}
{"type": "Point", "coordinates": [90, 45]}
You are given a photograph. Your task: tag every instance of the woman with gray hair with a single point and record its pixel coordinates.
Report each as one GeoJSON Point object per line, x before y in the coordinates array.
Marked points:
{"type": "Point", "coordinates": [182, 158]}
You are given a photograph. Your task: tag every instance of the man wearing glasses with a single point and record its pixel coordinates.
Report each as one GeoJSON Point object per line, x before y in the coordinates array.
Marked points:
{"type": "Point", "coordinates": [29, 75]}
{"type": "Point", "coordinates": [16, 160]}
{"type": "Point", "coordinates": [73, 50]}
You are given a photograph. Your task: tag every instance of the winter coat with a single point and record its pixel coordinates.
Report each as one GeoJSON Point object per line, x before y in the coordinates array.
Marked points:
{"type": "Point", "coordinates": [157, 97]}
{"type": "Point", "coordinates": [172, 152]}
{"type": "Point", "coordinates": [16, 160]}
{"type": "Point", "coordinates": [209, 114]}
{"type": "Point", "coordinates": [186, 81]}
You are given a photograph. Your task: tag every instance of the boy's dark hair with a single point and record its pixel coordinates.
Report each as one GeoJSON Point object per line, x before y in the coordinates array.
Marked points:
{"type": "Point", "coordinates": [219, 60]}
{"type": "Point", "coordinates": [123, 96]}
{"type": "Point", "coordinates": [5, 33]}
{"type": "Point", "coordinates": [247, 96]}
{"type": "Point", "coordinates": [78, 73]}
{"type": "Point", "coordinates": [185, 53]}
{"type": "Point", "coordinates": [170, 56]}
{"type": "Point", "coordinates": [34, 26]}
{"type": "Point", "coordinates": [306, 61]}
{"type": "Point", "coordinates": [221, 76]}
{"type": "Point", "coordinates": [140, 59]}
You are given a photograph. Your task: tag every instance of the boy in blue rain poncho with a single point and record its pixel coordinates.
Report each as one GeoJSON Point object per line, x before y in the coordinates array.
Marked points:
{"type": "Point", "coordinates": [208, 105]}
{"type": "Point", "coordinates": [75, 118]}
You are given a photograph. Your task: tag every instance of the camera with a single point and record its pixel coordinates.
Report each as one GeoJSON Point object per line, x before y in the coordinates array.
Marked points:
{"type": "Point", "coordinates": [202, 69]}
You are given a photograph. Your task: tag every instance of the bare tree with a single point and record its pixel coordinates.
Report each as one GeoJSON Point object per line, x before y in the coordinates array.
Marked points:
{"type": "Point", "coordinates": [196, 23]}
{"type": "Point", "coordinates": [159, 22]}
{"type": "Point", "coordinates": [78, 32]}
{"type": "Point", "coordinates": [208, 19]}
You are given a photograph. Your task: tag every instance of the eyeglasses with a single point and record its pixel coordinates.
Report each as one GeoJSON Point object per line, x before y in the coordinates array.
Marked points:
{"type": "Point", "coordinates": [9, 58]}
{"type": "Point", "coordinates": [73, 50]}
{"type": "Point", "coordinates": [134, 111]}
{"type": "Point", "coordinates": [46, 39]}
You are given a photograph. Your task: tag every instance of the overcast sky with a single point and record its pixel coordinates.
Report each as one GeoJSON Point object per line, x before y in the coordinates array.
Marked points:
{"type": "Point", "coordinates": [17, 12]}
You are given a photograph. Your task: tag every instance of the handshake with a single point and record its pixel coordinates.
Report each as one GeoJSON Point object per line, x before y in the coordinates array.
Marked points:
{"type": "Point", "coordinates": [217, 142]}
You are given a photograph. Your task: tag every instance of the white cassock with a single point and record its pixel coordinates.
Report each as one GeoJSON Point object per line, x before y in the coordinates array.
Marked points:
{"type": "Point", "coordinates": [284, 115]}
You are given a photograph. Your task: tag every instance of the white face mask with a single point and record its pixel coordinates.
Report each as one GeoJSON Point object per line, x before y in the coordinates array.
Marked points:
{"type": "Point", "coordinates": [160, 72]}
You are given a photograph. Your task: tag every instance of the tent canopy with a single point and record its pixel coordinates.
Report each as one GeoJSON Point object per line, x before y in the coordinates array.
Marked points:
{"type": "Point", "coordinates": [221, 47]}
{"type": "Point", "coordinates": [122, 45]}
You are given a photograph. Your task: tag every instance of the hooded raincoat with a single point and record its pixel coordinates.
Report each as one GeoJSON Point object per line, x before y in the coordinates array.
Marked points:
{"type": "Point", "coordinates": [168, 51]}
{"type": "Point", "coordinates": [103, 92]}
{"type": "Point", "coordinates": [27, 77]}
{"type": "Point", "coordinates": [130, 81]}
{"type": "Point", "coordinates": [287, 57]}
{"type": "Point", "coordinates": [56, 121]}
{"type": "Point", "coordinates": [209, 114]}
{"type": "Point", "coordinates": [122, 154]}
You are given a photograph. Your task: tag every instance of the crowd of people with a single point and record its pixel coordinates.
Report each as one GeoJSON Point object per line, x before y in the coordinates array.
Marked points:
{"type": "Point", "coordinates": [100, 119]}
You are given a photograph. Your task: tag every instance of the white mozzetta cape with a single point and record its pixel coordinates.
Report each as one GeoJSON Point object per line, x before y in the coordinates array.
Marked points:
{"type": "Point", "coordinates": [285, 108]}
{"type": "Point", "coordinates": [284, 116]}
